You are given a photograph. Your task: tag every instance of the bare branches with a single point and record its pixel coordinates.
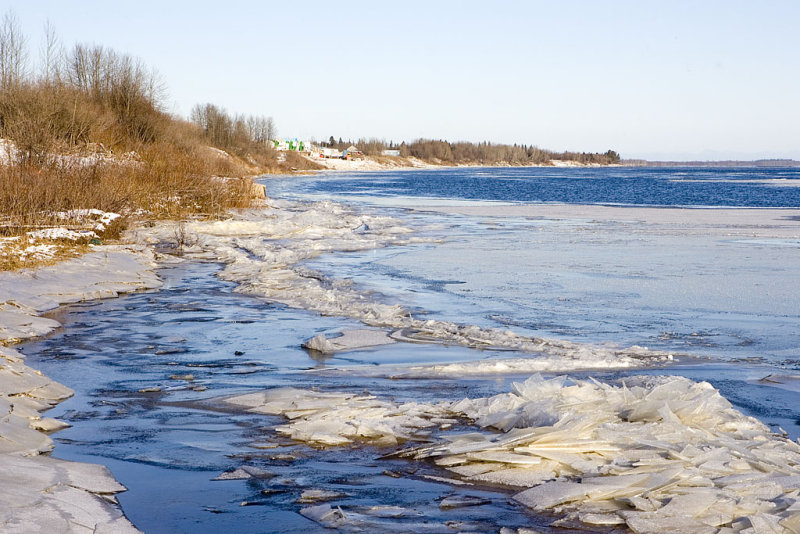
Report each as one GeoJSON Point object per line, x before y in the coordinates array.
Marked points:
{"type": "Point", "coordinates": [52, 56]}
{"type": "Point", "coordinates": [13, 57]}
{"type": "Point", "coordinates": [224, 130]}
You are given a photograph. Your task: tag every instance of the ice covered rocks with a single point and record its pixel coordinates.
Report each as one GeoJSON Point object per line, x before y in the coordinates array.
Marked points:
{"type": "Point", "coordinates": [655, 454]}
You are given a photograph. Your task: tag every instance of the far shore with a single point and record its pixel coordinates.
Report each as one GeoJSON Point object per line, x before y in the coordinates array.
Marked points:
{"type": "Point", "coordinates": [399, 163]}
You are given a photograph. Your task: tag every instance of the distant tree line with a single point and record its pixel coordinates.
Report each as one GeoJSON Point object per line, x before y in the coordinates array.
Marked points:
{"type": "Point", "coordinates": [486, 153]}
{"type": "Point", "coordinates": [223, 130]}
{"type": "Point", "coordinates": [761, 163]}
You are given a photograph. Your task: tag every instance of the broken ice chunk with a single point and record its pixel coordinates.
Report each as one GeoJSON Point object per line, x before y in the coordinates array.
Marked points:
{"type": "Point", "coordinates": [325, 515]}
{"type": "Point", "coordinates": [244, 472]}
{"type": "Point", "coordinates": [320, 343]}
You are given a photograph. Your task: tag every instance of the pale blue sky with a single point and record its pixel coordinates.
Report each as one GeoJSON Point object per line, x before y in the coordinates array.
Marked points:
{"type": "Point", "coordinates": [671, 80]}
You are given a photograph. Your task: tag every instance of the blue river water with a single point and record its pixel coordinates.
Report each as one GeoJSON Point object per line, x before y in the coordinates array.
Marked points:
{"type": "Point", "coordinates": [723, 292]}
{"type": "Point", "coordinates": [628, 186]}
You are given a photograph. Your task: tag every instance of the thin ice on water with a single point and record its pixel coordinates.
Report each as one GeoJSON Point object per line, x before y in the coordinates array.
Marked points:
{"type": "Point", "coordinates": [264, 253]}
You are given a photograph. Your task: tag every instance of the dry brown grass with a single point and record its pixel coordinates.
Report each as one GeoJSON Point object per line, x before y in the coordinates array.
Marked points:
{"type": "Point", "coordinates": [166, 182]}
{"type": "Point", "coordinates": [297, 162]}
{"type": "Point", "coordinates": [17, 254]}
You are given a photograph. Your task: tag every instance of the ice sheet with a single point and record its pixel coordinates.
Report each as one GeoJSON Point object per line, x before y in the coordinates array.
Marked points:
{"type": "Point", "coordinates": [348, 340]}
{"type": "Point", "coordinates": [103, 273]}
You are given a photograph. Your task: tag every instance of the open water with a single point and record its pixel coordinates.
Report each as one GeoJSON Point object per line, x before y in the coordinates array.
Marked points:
{"type": "Point", "coordinates": [724, 295]}
{"type": "Point", "coordinates": [625, 186]}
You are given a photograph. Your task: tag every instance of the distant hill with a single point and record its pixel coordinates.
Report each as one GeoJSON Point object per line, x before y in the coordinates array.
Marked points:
{"type": "Point", "coordinates": [760, 163]}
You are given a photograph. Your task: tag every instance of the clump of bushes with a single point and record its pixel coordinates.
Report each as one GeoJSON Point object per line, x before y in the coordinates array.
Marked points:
{"type": "Point", "coordinates": [89, 131]}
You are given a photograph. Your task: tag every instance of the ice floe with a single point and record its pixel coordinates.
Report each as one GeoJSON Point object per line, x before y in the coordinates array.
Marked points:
{"type": "Point", "coordinates": [651, 453]}
{"type": "Point", "coordinates": [244, 473]}
{"type": "Point", "coordinates": [348, 340]}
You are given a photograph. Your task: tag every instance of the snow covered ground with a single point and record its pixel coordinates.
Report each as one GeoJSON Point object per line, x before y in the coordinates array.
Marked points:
{"type": "Point", "coordinates": [45, 244]}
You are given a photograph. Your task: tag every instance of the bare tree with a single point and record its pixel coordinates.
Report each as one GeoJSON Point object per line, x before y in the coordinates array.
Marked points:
{"type": "Point", "coordinates": [13, 57]}
{"type": "Point", "coordinates": [226, 131]}
{"type": "Point", "coordinates": [52, 55]}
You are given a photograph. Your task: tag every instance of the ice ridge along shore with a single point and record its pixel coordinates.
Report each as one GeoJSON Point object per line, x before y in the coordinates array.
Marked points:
{"type": "Point", "coordinates": [264, 252]}
{"type": "Point", "coordinates": [39, 493]}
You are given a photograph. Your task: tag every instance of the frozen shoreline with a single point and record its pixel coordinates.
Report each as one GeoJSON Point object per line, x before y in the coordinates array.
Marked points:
{"type": "Point", "coordinates": [41, 493]}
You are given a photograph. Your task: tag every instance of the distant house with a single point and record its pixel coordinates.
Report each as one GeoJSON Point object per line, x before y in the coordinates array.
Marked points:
{"type": "Point", "coordinates": [330, 153]}
{"type": "Point", "coordinates": [352, 153]}
{"type": "Point", "coordinates": [390, 153]}
{"type": "Point", "coordinates": [290, 145]}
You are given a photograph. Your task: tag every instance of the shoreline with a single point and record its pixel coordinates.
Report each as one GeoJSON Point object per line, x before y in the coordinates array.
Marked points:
{"type": "Point", "coordinates": [399, 163]}
{"type": "Point", "coordinates": [39, 491]}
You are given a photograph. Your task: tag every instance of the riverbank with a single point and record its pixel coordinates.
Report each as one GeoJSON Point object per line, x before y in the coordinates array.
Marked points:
{"type": "Point", "coordinates": [43, 494]}
{"type": "Point", "coordinates": [398, 163]}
